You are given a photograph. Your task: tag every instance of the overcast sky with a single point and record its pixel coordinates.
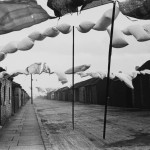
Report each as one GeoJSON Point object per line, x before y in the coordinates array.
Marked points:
{"type": "Point", "coordinates": [90, 48]}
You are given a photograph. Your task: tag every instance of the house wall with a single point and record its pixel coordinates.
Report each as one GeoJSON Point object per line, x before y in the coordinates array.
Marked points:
{"type": "Point", "coordinates": [6, 100]}
{"type": "Point", "coordinates": [82, 94]}
{"type": "Point", "coordinates": [141, 97]}
{"type": "Point", "coordinates": [120, 94]}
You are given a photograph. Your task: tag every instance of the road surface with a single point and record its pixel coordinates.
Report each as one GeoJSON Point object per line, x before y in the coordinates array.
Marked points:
{"type": "Point", "coordinates": [126, 128]}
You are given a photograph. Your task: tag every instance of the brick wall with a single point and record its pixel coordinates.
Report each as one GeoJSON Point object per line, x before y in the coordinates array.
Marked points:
{"type": "Point", "coordinates": [82, 97]}
{"type": "Point", "coordinates": [10, 99]}
{"type": "Point", "coordinates": [26, 97]}
{"type": "Point", "coordinates": [20, 97]}
{"type": "Point", "coordinates": [6, 100]}
{"type": "Point", "coordinates": [17, 94]}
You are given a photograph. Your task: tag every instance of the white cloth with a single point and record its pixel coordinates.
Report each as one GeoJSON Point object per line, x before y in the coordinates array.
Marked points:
{"type": "Point", "coordinates": [17, 72]}
{"type": "Point", "coordinates": [64, 28]}
{"type": "Point", "coordinates": [77, 69]}
{"type": "Point", "coordinates": [61, 77]}
{"type": "Point", "coordinates": [127, 79]}
{"type": "Point", "coordinates": [103, 23]}
{"type": "Point", "coordinates": [134, 74]}
{"type": "Point", "coordinates": [36, 36]}
{"type": "Point", "coordinates": [118, 38]}
{"type": "Point", "coordinates": [82, 74]}
{"type": "Point", "coordinates": [45, 68]}
{"type": "Point", "coordinates": [25, 44]}
{"type": "Point", "coordinates": [2, 56]}
{"type": "Point", "coordinates": [11, 47]}
{"type": "Point", "coordinates": [138, 32]}
{"type": "Point", "coordinates": [146, 71]}
{"type": "Point", "coordinates": [34, 68]}
{"type": "Point", "coordinates": [51, 32]}
{"type": "Point", "coordinates": [85, 26]}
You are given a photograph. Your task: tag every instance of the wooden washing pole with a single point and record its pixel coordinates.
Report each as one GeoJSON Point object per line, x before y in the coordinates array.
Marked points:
{"type": "Point", "coordinates": [31, 90]}
{"type": "Point", "coordinates": [108, 70]}
{"type": "Point", "coordinates": [73, 79]}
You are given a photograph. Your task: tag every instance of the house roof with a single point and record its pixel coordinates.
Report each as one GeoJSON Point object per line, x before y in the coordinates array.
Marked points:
{"type": "Point", "coordinates": [14, 84]}
{"type": "Point", "coordinates": [146, 65]}
{"type": "Point", "coordinates": [2, 69]}
{"type": "Point", "coordinates": [62, 89]}
{"type": "Point", "coordinates": [88, 82]}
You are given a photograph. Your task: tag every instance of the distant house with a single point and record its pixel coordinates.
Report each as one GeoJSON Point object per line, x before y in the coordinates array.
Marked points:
{"type": "Point", "coordinates": [62, 94]}
{"type": "Point", "coordinates": [17, 95]}
{"type": "Point", "coordinates": [12, 97]}
{"type": "Point", "coordinates": [120, 94]}
{"type": "Point", "coordinates": [142, 88]}
{"type": "Point", "coordinates": [91, 91]}
{"type": "Point", "coordinates": [5, 98]}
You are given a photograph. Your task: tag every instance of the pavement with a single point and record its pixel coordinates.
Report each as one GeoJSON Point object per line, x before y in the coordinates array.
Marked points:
{"type": "Point", "coordinates": [24, 131]}
{"type": "Point", "coordinates": [46, 125]}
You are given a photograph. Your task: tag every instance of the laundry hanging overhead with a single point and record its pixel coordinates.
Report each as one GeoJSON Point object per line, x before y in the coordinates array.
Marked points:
{"type": "Point", "coordinates": [118, 40]}
{"type": "Point", "coordinates": [46, 68]}
{"type": "Point", "coordinates": [18, 14]}
{"type": "Point", "coordinates": [127, 79]}
{"type": "Point", "coordinates": [85, 26]}
{"type": "Point", "coordinates": [82, 74]}
{"type": "Point", "coordinates": [139, 9]}
{"type": "Point", "coordinates": [77, 69]}
{"type": "Point", "coordinates": [18, 72]}
{"type": "Point", "coordinates": [144, 66]}
{"type": "Point", "coordinates": [103, 23]}
{"type": "Point", "coordinates": [138, 32]}
{"type": "Point", "coordinates": [2, 56]}
{"type": "Point", "coordinates": [36, 36]}
{"type": "Point", "coordinates": [11, 47]}
{"type": "Point", "coordinates": [38, 68]}
{"type": "Point", "coordinates": [61, 76]}
{"type": "Point", "coordinates": [25, 44]}
{"type": "Point", "coordinates": [34, 68]}
{"type": "Point", "coordinates": [63, 7]}
{"type": "Point", "coordinates": [87, 4]}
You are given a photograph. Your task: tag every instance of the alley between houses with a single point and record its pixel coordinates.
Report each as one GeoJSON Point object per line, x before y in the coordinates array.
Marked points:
{"type": "Point", "coordinates": [47, 125]}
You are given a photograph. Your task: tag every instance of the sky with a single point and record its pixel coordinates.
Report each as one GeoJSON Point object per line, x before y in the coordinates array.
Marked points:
{"type": "Point", "coordinates": [90, 48]}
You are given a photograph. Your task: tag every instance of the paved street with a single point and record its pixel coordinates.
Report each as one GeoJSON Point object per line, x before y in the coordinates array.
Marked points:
{"type": "Point", "coordinates": [22, 131]}
{"type": "Point", "coordinates": [126, 128]}
{"type": "Point", "coordinates": [47, 125]}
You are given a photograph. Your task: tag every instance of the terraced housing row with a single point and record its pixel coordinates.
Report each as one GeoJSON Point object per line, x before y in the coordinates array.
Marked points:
{"type": "Point", "coordinates": [93, 91]}
{"type": "Point", "coordinates": [12, 98]}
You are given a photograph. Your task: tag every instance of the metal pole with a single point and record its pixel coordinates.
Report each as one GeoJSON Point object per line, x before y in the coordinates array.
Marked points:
{"type": "Point", "coordinates": [73, 80]}
{"type": "Point", "coordinates": [108, 73]}
{"type": "Point", "coordinates": [31, 91]}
